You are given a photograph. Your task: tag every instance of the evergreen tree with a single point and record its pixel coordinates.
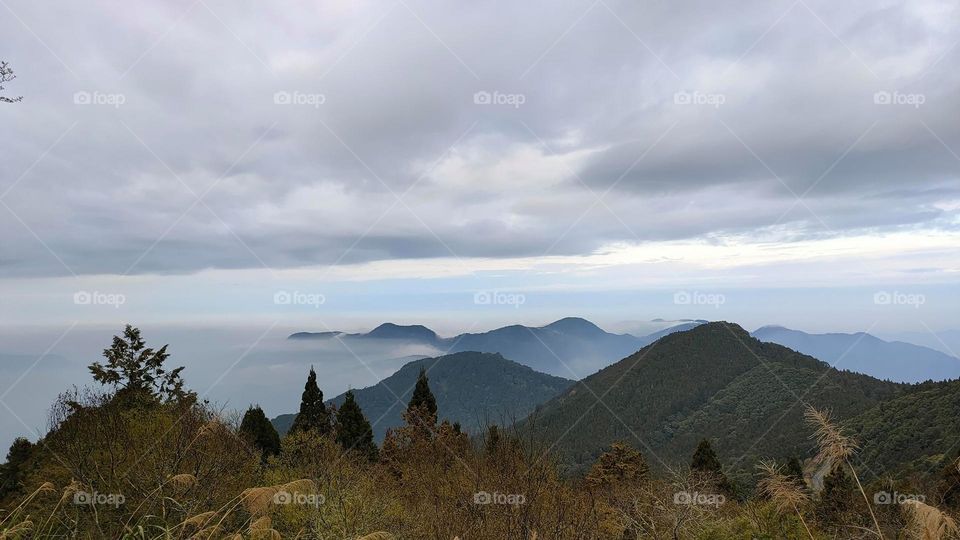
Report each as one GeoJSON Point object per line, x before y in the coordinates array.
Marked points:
{"type": "Point", "coordinates": [794, 471]}
{"type": "Point", "coordinates": [705, 462]}
{"type": "Point", "coordinates": [353, 428]}
{"type": "Point", "coordinates": [11, 472]}
{"type": "Point", "coordinates": [836, 498]}
{"type": "Point", "coordinates": [137, 370]}
{"type": "Point", "coordinates": [257, 429]}
{"type": "Point", "coordinates": [422, 396]}
{"type": "Point", "coordinates": [621, 466]}
{"type": "Point", "coordinates": [313, 415]}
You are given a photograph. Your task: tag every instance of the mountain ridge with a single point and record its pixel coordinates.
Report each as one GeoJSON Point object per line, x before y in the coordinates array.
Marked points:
{"type": "Point", "coordinates": [471, 388]}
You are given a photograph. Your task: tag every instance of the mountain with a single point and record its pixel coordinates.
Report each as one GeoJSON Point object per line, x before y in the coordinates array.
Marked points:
{"type": "Point", "coordinates": [864, 353]}
{"type": "Point", "coordinates": [913, 430]}
{"type": "Point", "coordinates": [471, 388]}
{"type": "Point", "coordinates": [713, 381]}
{"type": "Point", "coordinates": [571, 347]}
{"type": "Point", "coordinates": [414, 332]}
{"type": "Point", "coordinates": [945, 341]}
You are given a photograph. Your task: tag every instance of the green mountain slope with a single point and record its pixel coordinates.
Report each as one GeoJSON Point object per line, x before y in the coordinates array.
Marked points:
{"type": "Point", "coordinates": [471, 388]}
{"type": "Point", "coordinates": [912, 430]}
{"type": "Point", "coordinates": [711, 381]}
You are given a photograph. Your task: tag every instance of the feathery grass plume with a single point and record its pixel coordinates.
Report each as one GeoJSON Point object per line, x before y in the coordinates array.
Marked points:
{"type": "Point", "coordinates": [783, 491]}
{"type": "Point", "coordinates": [17, 530]}
{"type": "Point", "coordinates": [257, 500]}
{"type": "Point", "coordinates": [207, 533]}
{"type": "Point", "coordinates": [262, 524]}
{"type": "Point", "coordinates": [836, 448]}
{"type": "Point", "coordinates": [928, 522]}
{"type": "Point", "coordinates": [379, 535]}
{"type": "Point", "coordinates": [262, 528]}
{"type": "Point", "coordinates": [46, 487]}
{"type": "Point", "coordinates": [833, 443]}
{"type": "Point", "coordinates": [198, 520]}
{"type": "Point", "coordinates": [70, 489]}
{"type": "Point", "coordinates": [183, 481]}
{"type": "Point", "coordinates": [304, 485]}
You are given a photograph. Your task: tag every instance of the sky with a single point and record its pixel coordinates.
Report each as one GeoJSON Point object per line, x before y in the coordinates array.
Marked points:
{"type": "Point", "coordinates": [250, 168]}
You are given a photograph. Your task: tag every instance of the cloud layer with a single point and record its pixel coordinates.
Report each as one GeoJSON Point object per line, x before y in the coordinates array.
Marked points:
{"type": "Point", "coordinates": [180, 136]}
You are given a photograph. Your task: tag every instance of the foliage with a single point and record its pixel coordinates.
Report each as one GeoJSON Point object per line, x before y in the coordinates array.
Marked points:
{"type": "Point", "coordinates": [353, 429]}
{"type": "Point", "coordinates": [185, 472]}
{"type": "Point", "coordinates": [714, 381]}
{"type": "Point", "coordinates": [12, 471]}
{"type": "Point", "coordinates": [474, 389]}
{"type": "Point", "coordinates": [313, 415]}
{"type": "Point", "coordinates": [6, 75]}
{"type": "Point", "coordinates": [422, 396]}
{"type": "Point", "coordinates": [136, 370]}
{"type": "Point", "coordinates": [260, 432]}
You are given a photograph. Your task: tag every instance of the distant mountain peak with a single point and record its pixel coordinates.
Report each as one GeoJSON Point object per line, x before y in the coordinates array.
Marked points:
{"type": "Point", "coordinates": [575, 325]}
{"type": "Point", "coordinates": [396, 331]}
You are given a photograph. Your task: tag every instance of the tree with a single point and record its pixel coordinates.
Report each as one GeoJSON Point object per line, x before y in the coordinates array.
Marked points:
{"type": "Point", "coordinates": [258, 430]}
{"type": "Point", "coordinates": [353, 429]}
{"type": "Point", "coordinates": [137, 370]}
{"type": "Point", "coordinates": [622, 465]}
{"type": "Point", "coordinates": [794, 471]}
{"type": "Point", "coordinates": [836, 499]}
{"type": "Point", "coordinates": [6, 75]}
{"type": "Point", "coordinates": [706, 463]}
{"type": "Point", "coordinates": [313, 415]}
{"type": "Point", "coordinates": [422, 396]}
{"type": "Point", "coordinates": [11, 472]}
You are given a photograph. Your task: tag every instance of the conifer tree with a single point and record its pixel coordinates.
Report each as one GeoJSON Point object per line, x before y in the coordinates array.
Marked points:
{"type": "Point", "coordinates": [422, 396]}
{"type": "Point", "coordinates": [259, 431]}
{"type": "Point", "coordinates": [313, 415]}
{"type": "Point", "coordinates": [11, 472]}
{"type": "Point", "coordinates": [837, 496]}
{"type": "Point", "coordinates": [137, 370]}
{"type": "Point", "coordinates": [353, 428]}
{"type": "Point", "coordinates": [794, 471]}
{"type": "Point", "coordinates": [705, 462]}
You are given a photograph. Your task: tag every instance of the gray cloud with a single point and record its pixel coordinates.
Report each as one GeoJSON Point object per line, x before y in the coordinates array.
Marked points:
{"type": "Point", "coordinates": [293, 185]}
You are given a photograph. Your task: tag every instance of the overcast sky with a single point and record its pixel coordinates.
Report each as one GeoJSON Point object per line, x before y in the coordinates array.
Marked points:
{"type": "Point", "coordinates": [195, 158]}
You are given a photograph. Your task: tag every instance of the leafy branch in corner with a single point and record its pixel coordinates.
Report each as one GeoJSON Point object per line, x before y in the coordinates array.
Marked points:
{"type": "Point", "coordinates": [6, 75]}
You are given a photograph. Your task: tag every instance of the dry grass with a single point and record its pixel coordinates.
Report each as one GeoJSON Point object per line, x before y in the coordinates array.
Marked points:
{"type": "Point", "coordinates": [928, 522]}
